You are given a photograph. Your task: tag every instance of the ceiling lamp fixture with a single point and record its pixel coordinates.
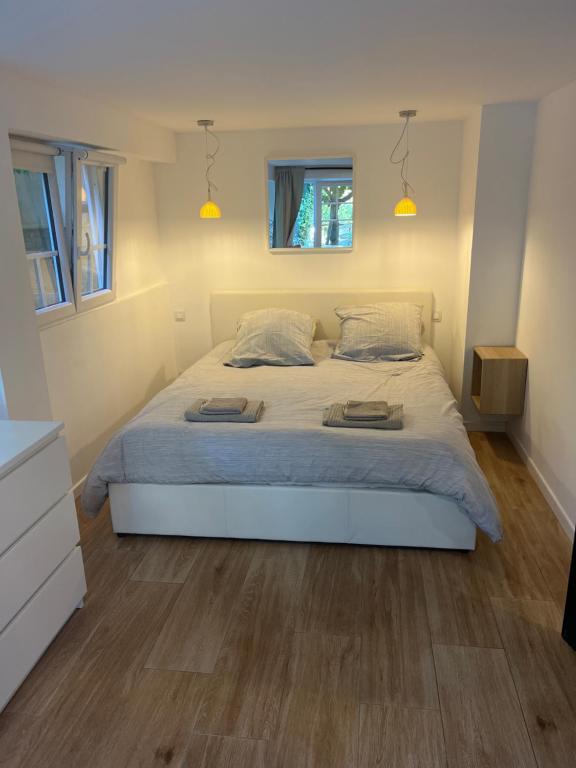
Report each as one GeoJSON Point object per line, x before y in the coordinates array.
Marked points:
{"type": "Point", "coordinates": [406, 206]}
{"type": "Point", "coordinates": [210, 209]}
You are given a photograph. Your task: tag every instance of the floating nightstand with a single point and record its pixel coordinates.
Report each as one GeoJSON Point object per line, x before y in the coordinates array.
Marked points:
{"type": "Point", "coordinates": [499, 380]}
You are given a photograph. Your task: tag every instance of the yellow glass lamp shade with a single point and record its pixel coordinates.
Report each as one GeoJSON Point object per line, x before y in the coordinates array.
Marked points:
{"type": "Point", "coordinates": [405, 207]}
{"type": "Point", "coordinates": [210, 210]}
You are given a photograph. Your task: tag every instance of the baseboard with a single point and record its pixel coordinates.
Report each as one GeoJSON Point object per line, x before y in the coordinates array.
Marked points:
{"type": "Point", "coordinates": [563, 518]}
{"type": "Point", "coordinates": [78, 487]}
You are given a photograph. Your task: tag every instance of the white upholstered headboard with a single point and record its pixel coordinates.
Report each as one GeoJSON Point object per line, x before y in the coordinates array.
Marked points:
{"type": "Point", "coordinates": [226, 308]}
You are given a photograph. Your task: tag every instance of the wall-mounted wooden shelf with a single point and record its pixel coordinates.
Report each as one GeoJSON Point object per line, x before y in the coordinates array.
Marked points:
{"type": "Point", "coordinates": [499, 380]}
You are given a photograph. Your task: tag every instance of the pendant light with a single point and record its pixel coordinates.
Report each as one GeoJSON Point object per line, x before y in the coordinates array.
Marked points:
{"type": "Point", "coordinates": [406, 205]}
{"type": "Point", "coordinates": [210, 209]}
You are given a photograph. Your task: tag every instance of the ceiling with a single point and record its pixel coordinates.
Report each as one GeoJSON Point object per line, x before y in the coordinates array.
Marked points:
{"type": "Point", "coordinates": [267, 64]}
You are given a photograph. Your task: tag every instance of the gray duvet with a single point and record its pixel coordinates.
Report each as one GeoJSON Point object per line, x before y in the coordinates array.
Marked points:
{"type": "Point", "coordinates": [289, 445]}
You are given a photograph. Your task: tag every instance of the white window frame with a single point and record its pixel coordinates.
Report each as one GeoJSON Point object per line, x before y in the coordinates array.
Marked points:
{"type": "Point", "coordinates": [314, 170]}
{"type": "Point", "coordinates": [108, 293]}
{"type": "Point", "coordinates": [37, 156]}
{"type": "Point", "coordinates": [36, 162]}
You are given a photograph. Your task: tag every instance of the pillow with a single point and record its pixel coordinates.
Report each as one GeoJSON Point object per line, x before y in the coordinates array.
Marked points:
{"type": "Point", "coordinates": [273, 337]}
{"type": "Point", "coordinates": [387, 331]}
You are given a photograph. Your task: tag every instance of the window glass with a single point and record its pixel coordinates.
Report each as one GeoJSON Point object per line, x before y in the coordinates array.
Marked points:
{"type": "Point", "coordinates": [337, 205]}
{"type": "Point", "coordinates": [304, 229]}
{"type": "Point", "coordinates": [36, 213]}
{"type": "Point", "coordinates": [311, 203]}
{"type": "Point", "coordinates": [94, 228]}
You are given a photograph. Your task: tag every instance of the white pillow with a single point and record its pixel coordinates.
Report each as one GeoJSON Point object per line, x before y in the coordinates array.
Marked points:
{"type": "Point", "coordinates": [273, 337]}
{"type": "Point", "coordinates": [386, 331]}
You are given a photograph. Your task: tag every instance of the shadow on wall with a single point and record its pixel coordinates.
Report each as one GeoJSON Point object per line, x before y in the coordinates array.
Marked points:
{"type": "Point", "coordinates": [83, 460]}
{"type": "Point", "coordinates": [3, 405]}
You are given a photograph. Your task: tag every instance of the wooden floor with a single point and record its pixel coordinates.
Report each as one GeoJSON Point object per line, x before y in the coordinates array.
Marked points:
{"type": "Point", "coordinates": [214, 653]}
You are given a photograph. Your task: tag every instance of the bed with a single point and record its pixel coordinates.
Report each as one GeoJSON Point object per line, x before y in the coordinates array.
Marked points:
{"type": "Point", "coordinates": [288, 477]}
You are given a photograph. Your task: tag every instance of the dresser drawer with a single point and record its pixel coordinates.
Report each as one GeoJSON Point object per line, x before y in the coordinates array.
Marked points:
{"type": "Point", "coordinates": [31, 489]}
{"type": "Point", "coordinates": [26, 638]}
{"type": "Point", "coordinates": [28, 563]}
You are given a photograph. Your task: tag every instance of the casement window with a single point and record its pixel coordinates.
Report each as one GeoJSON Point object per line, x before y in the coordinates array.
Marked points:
{"type": "Point", "coordinates": [67, 209]}
{"type": "Point", "coordinates": [325, 218]}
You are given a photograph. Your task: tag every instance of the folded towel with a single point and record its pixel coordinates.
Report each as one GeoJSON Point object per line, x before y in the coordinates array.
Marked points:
{"type": "Point", "coordinates": [224, 405]}
{"type": "Point", "coordinates": [366, 410]}
{"type": "Point", "coordinates": [250, 414]}
{"type": "Point", "coordinates": [334, 417]}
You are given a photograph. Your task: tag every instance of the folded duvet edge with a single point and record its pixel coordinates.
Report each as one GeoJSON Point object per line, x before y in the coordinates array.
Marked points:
{"type": "Point", "coordinates": [366, 410]}
{"type": "Point", "coordinates": [334, 417]}
{"type": "Point", "coordinates": [249, 415]}
{"type": "Point", "coordinates": [223, 405]}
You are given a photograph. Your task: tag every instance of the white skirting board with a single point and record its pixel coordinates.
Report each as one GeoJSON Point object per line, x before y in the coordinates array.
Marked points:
{"type": "Point", "coordinates": [340, 515]}
{"type": "Point", "coordinates": [547, 491]}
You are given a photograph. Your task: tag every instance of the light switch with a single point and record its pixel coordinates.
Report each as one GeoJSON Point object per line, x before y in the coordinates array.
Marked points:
{"type": "Point", "coordinates": [180, 316]}
{"type": "Point", "coordinates": [437, 316]}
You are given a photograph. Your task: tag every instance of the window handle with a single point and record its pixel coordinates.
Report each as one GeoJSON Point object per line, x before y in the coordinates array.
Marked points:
{"type": "Point", "coordinates": [88, 245]}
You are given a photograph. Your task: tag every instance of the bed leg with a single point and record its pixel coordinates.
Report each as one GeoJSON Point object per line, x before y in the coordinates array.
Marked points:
{"type": "Point", "coordinates": [121, 535]}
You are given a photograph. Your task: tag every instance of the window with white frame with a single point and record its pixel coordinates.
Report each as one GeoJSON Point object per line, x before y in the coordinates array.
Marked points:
{"type": "Point", "coordinates": [311, 203]}
{"type": "Point", "coordinates": [67, 204]}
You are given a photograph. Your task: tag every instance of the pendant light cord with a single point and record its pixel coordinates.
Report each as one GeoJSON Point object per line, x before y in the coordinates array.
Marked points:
{"type": "Point", "coordinates": [403, 161]}
{"type": "Point", "coordinates": [210, 160]}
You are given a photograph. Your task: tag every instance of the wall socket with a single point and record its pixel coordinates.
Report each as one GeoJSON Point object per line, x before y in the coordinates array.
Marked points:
{"type": "Point", "coordinates": [179, 316]}
{"type": "Point", "coordinates": [437, 316]}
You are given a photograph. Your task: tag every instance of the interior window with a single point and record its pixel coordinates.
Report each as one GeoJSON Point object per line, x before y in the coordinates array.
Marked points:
{"type": "Point", "coordinates": [311, 203]}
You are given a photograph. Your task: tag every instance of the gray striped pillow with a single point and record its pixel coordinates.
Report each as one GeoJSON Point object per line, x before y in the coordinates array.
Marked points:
{"type": "Point", "coordinates": [386, 331]}
{"type": "Point", "coordinates": [273, 337]}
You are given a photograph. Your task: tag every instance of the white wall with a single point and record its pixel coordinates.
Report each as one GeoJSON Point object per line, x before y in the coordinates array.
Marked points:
{"type": "Point", "coordinates": [100, 366]}
{"type": "Point", "coordinates": [22, 371]}
{"type": "Point", "coordinates": [500, 208]}
{"type": "Point", "coordinates": [103, 365]}
{"type": "Point", "coordinates": [37, 109]}
{"type": "Point", "coordinates": [546, 433]}
{"type": "Point", "coordinates": [467, 205]}
{"type": "Point", "coordinates": [232, 253]}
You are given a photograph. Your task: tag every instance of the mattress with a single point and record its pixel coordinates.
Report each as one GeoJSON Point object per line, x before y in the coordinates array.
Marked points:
{"type": "Point", "coordinates": [289, 446]}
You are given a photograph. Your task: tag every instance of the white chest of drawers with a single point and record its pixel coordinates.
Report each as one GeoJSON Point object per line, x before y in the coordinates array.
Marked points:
{"type": "Point", "coordinates": [41, 570]}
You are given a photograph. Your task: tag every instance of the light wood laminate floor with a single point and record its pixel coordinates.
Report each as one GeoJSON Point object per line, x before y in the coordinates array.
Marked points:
{"type": "Point", "coordinates": [230, 654]}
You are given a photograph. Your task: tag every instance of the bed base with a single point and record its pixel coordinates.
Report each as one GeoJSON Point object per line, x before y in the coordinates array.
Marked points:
{"type": "Point", "coordinates": [338, 515]}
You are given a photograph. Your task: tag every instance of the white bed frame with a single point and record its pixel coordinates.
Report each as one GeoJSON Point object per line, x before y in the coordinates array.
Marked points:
{"type": "Point", "coordinates": [390, 517]}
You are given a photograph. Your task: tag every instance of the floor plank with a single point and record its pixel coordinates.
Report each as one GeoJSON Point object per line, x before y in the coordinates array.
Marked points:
{"type": "Point", "coordinates": [544, 670]}
{"type": "Point", "coordinates": [459, 612]}
{"type": "Point", "coordinates": [85, 708]}
{"type": "Point", "coordinates": [219, 752]}
{"type": "Point", "coordinates": [319, 726]}
{"type": "Point", "coordinates": [397, 665]}
{"type": "Point", "coordinates": [169, 558]}
{"type": "Point", "coordinates": [190, 640]}
{"type": "Point", "coordinates": [244, 695]}
{"type": "Point", "coordinates": [331, 590]}
{"type": "Point", "coordinates": [106, 573]}
{"type": "Point", "coordinates": [533, 560]}
{"type": "Point", "coordinates": [400, 738]}
{"type": "Point", "coordinates": [483, 722]}
{"type": "Point", "coordinates": [154, 725]}
{"type": "Point", "coordinates": [17, 732]}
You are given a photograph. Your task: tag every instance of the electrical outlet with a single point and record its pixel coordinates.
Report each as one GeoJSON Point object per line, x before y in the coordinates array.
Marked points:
{"type": "Point", "coordinates": [180, 316]}
{"type": "Point", "coordinates": [437, 316]}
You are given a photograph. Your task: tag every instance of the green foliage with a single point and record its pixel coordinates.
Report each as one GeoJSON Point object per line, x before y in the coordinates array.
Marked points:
{"type": "Point", "coordinates": [305, 221]}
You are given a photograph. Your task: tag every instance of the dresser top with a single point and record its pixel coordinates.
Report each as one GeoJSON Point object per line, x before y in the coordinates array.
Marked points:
{"type": "Point", "coordinates": [21, 439]}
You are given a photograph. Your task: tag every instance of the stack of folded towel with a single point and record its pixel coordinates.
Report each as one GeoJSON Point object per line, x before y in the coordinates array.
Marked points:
{"type": "Point", "coordinates": [234, 409]}
{"type": "Point", "coordinates": [368, 414]}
